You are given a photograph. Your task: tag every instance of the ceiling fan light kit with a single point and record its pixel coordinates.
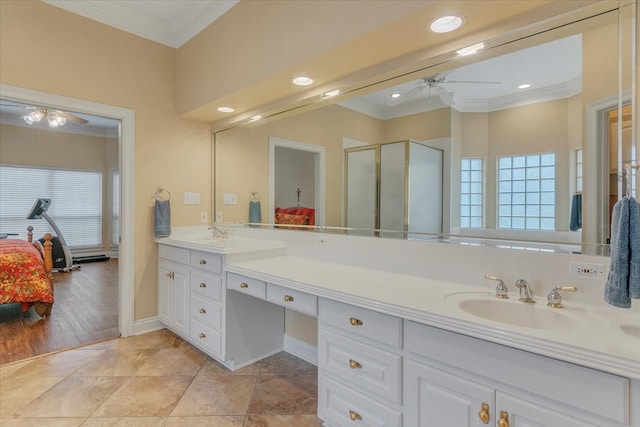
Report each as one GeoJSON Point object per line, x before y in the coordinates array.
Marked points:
{"type": "Point", "coordinates": [55, 118]}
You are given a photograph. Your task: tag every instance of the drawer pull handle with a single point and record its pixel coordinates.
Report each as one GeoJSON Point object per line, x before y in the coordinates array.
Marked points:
{"type": "Point", "coordinates": [288, 298]}
{"type": "Point", "coordinates": [356, 416]}
{"type": "Point", "coordinates": [203, 311]}
{"type": "Point", "coordinates": [171, 275]}
{"type": "Point", "coordinates": [354, 365]}
{"type": "Point", "coordinates": [484, 413]}
{"type": "Point", "coordinates": [244, 285]}
{"type": "Point", "coordinates": [355, 322]}
{"type": "Point", "coordinates": [203, 261]}
{"type": "Point", "coordinates": [203, 285]}
{"type": "Point", "coordinates": [202, 335]}
{"type": "Point", "coordinates": [504, 419]}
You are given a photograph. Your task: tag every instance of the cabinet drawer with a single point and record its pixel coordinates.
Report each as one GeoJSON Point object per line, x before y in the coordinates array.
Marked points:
{"type": "Point", "coordinates": [362, 322]}
{"type": "Point", "coordinates": [172, 253]}
{"type": "Point", "coordinates": [361, 365]}
{"type": "Point", "coordinates": [253, 287]}
{"type": "Point", "coordinates": [206, 312]}
{"type": "Point", "coordinates": [206, 337]}
{"type": "Point", "coordinates": [210, 287]}
{"type": "Point", "coordinates": [206, 261]}
{"type": "Point", "coordinates": [294, 300]}
{"type": "Point", "coordinates": [340, 405]}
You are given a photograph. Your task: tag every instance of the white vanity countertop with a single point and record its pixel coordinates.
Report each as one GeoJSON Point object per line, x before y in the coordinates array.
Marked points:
{"type": "Point", "coordinates": [586, 335]}
{"type": "Point", "coordinates": [196, 239]}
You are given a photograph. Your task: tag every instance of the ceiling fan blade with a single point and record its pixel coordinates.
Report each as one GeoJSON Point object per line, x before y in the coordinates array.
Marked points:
{"type": "Point", "coordinates": [72, 118]}
{"type": "Point", "coordinates": [471, 81]}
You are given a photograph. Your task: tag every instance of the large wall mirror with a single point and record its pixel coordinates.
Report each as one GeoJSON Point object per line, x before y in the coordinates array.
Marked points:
{"type": "Point", "coordinates": [527, 138]}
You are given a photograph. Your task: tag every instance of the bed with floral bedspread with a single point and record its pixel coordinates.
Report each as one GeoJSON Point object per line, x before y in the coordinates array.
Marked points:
{"type": "Point", "coordinates": [25, 274]}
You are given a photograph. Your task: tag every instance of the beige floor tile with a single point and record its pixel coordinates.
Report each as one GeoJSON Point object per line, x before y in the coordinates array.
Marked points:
{"type": "Point", "coordinates": [215, 421]}
{"type": "Point", "coordinates": [124, 422]}
{"type": "Point", "coordinates": [72, 397]}
{"type": "Point", "coordinates": [285, 395]}
{"type": "Point", "coordinates": [145, 396]}
{"type": "Point", "coordinates": [216, 395]}
{"type": "Point", "coordinates": [115, 362]}
{"type": "Point", "coordinates": [16, 393]}
{"type": "Point", "coordinates": [55, 365]}
{"type": "Point", "coordinates": [157, 339]}
{"type": "Point", "coordinates": [283, 421]}
{"type": "Point", "coordinates": [286, 364]}
{"type": "Point", "coordinates": [172, 362]}
{"type": "Point", "coordinates": [211, 367]}
{"type": "Point", "coordinates": [40, 422]}
{"type": "Point", "coordinates": [8, 368]}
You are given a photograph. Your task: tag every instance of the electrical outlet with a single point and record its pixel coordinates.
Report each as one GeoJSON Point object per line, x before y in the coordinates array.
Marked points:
{"type": "Point", "coordinates": [581, 270]}
{"type": "Point", "coordinates": [203, 216]}
{"type": "Point", "coordinates": [218, 216]}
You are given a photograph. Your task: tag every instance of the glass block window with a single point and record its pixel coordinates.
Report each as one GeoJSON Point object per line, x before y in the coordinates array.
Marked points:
{"type": "Point", "coordinates": [471, 192]}
{"type": "Point", "coordinates": [526, 191]}
{"type": "Point", "coordinates": [578, 165]}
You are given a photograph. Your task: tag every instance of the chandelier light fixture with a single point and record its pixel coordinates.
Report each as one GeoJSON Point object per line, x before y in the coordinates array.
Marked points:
{"type": "Point", "coordinates": [55, 118]}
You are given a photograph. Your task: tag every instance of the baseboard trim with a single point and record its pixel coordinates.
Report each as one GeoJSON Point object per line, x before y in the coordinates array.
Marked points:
{"type": "Point", "coordinates": [149, 324]}
{"type": "Point", "coordinates": [301, 349]}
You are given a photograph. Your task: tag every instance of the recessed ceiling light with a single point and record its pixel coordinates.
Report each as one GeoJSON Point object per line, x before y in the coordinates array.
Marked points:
{"type": "Point", "coordinates": [524, 86]}
{"type": "Point", "coordinates": [446, 24]}
{"type": "Point", "coordinates": [302, 81]}
{"type": "Point", "coordinates": [226, 109]}
{"type": "Point", "coordinates": [254, 118]}
{"type": "Point", "coordinates": [470, 50]}
{"type": "Point", "coordinates": [395, 95]}
{"type": "Point", "coordinates": [330, 94]}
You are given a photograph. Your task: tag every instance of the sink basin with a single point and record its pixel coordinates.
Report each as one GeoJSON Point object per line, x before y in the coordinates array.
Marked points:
{"type": "Point", "coordinates": [513, 312]}
{"type": "Point", "coordinates": [632, 330]}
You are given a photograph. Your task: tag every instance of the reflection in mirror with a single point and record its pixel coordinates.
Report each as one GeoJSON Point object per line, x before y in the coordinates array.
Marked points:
{"type": "Point", "coordinates": [520, 132]}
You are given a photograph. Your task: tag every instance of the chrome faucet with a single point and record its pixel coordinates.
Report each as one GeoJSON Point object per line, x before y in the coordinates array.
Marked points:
{"type": "Point", "coordinates": [219, 232]}
{"type": "Point", "coordinates": [526, 294]}
{"type": "Point", "coordinates": [554, 299]}
{"type": "Point", "coordinates": [501, 289]}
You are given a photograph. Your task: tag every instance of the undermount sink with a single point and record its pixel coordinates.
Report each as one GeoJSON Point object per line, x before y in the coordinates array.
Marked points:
{"type": "Point", "coordinates": [513, 312]}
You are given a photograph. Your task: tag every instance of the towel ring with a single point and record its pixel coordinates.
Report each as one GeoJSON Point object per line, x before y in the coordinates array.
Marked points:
{"type": "Point", "coordinates": [161, 190]}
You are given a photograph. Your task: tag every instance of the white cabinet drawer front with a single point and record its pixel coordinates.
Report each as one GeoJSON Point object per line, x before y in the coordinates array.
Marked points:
{"type": "Point", "coordinates": [206, 312]}
{"type": "Point", "coordinates": [343, 406]}
{"type": "Point", "coordinates": [253, 287]}
{"type": "Point", "coordinates": [364, 367]}
{"type": "Point", "coordinates": [206, 261]}
{"type": "Point", "coordinates": [208, 286]}
{"type": "Point", "coordinates": [206, 337]}
{"type": "Point", "coordinates": [172, 253]}
{"type": "Point", "coordinates": [370, 324]}
{"type": "Point", "coordinates": [295, 300]}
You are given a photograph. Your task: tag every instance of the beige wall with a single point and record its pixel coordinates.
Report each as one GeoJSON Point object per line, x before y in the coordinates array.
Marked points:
{"type": "Point", "coordinates": [25, 146]}
{"type": "Point", "coordinates": [98, 63]}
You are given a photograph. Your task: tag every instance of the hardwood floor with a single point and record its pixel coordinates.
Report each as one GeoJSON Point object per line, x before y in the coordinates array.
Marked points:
{"type": "Point", "coordinates": [85, 311]}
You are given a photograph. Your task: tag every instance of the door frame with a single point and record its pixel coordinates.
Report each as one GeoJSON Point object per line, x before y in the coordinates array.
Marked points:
{"type": "Point", "coordinates": [320, 177]}
{"type": "Point", "coordinates": [126, 162]}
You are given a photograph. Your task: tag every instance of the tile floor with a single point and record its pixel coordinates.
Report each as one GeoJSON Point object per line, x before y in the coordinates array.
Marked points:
{"type": "Point", "coordinates": [156, 379]}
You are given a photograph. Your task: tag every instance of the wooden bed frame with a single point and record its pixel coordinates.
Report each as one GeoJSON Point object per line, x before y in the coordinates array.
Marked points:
{"type": "Point", "coordinates": [48, 251]}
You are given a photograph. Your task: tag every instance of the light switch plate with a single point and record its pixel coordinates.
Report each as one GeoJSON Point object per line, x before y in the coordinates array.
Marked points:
{"type": "Point", "coordinates": [191, 198]}
{"type": "Point", "coordinates": [230, 199]}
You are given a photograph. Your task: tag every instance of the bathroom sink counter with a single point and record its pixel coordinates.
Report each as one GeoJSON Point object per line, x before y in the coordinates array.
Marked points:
{"type": "Point", "coordinates": [597, 339]}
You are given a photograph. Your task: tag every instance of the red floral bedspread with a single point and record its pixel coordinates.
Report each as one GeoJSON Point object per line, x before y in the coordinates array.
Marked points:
{"type": "Point", "coordinates": [22, 275]}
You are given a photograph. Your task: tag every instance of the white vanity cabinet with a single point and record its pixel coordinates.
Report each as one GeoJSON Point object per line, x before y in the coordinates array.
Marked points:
{"type": "Point", "coordinates": [173, 288]}
{"type": "Point", "coordinates": [452, 379]}
{"type": "Point", "coordinates": [359, 366]}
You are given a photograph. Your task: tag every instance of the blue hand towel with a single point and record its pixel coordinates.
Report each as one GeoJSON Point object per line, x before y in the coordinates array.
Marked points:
{"type": "Point", "coordinates": [575, 222]}
{"type": "Point", "coordinates": [255, 213]}
{"type": "Point", "coordinates": [163, 218]}
{"type": "Point", "coordinates": [634, 245]}
{"type": "Point", "coordinates": [616, 290]}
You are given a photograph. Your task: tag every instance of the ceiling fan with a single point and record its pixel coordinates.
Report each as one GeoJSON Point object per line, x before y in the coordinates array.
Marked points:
{"type": "Point", "coordinates": [432, 84]}
{"type": "Point", "coordinates": [54, 117]}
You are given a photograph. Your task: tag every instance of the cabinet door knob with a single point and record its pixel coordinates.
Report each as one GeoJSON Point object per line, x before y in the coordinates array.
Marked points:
{"type": "Point", "coordinates": [169, 275]}
{"type": "Point", "coordinates": [203, 285]}
{"type": "Point", "coordinates": [484, 413]}
{"type": "Point", "coordinates": [288, 298]}
{"type": "Point", "coordinates": [354, 365]}
{"type": "Point", "coordinates": [203, 311]}
{"type": "Point", "coordinates": [244, 285]}
{"type": "Point", "coordinates": [203, 261]}
{"type": "Point", "coordinates": [355, 322]}
{"type": "Point", "coordinates": [202, 335]}
{"type": "Point", "coordinates": [504, 419]}
{"type": "Point", "coordinates": [354, 415]}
